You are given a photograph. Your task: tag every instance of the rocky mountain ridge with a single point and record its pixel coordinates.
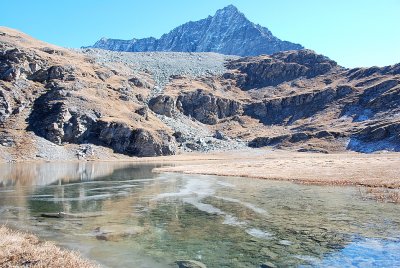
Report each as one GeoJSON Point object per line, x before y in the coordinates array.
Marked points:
{"type": "Point", "coordinates": [228, 32]}
{"type": "Point", "coordinates": [57, 103]}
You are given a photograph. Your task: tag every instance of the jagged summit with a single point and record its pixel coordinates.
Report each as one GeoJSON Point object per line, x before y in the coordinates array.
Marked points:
{"type": "Point", "coordinates": [227, 32]}
{"type": "Point", "coordinates": [229, 10]}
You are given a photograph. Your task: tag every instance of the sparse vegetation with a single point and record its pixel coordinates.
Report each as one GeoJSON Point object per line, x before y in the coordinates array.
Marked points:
{"type": "Point", "coordinates": [26, 250]}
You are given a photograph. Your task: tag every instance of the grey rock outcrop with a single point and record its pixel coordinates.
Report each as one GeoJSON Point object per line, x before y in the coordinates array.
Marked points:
{"type": "Point", "coordinates": [359, 73]}
{"type": "Point", "coordinates": [294, 138]}
{"type": "Point", "coordinates": [257, 72]}
{"type": "Point", "coordinates": [227, 32]}
{"type": "Point", "coordinates": [376, 137]}
{"type": "Point", "coordinates": [162, 104]}
{"type": "Point", "coordinates": [57, 120]}
{"type": "Point", "coordinates": [54, 72]}
{"type": "Point", "coordinates": [143, 111]}
{"type": "Point", "coordinates": [54, 120]}
{"type": "Point", "coordinates": [379, 98]}
{"type": "Point", "coordinates": [5, 107]}
{"type": "Point", "coordinates": [267, 141]}
{"type": "Point", "coordinates": [16, 64]}
{"type": "Point", "coordinates": [139, 142]}
{"type": "Point", "coordinates": [206, 107]}
{"type": "Point", "coordinates": [286, 110]}
{"type": "Point", "coordinates": [60, 124]}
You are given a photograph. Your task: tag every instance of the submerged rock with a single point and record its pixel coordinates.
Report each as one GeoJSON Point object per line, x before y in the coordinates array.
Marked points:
{"type": "Point", "coordinates": [190, 264]}
{"type": "Point", "coordinates": [116, 232]}
{"type": "Point", "coordinates": [268, 265]}
{"type": "Point", "coordinates": [70, 215]}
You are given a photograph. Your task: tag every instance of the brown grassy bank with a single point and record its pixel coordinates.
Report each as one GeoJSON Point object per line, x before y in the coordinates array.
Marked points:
{"type": "Point", "coordinates": [372, 170]}
{"type": "Point", "coordinates": [26, 250]}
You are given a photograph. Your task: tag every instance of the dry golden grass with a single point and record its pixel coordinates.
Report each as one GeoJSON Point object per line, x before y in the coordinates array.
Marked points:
{"type": "Point", "coordinates": [25, 250]}
{"type": "Point", "coordinates": [381, 194]}
{"type": "Point", "coordinates": [372, 170]}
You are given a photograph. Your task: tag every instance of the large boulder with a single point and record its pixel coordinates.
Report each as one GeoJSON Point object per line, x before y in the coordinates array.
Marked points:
{"type": "Point", "coordinates": [63, 124]}
{"type": "Point", "coordinates": [163, 104]}
{"type": "Point", "coordinates": [190, 264]}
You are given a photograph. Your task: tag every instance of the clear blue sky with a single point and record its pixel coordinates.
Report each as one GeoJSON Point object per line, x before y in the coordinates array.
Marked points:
{"type": "Point", "coordinates": [352, 32]}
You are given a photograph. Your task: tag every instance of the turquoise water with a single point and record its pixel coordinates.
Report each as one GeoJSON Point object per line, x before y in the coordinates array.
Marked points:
{"type": "Point", "coordinates": [123, 215]}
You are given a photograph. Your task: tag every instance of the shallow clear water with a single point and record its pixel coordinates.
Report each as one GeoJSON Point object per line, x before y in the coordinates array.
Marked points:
{"type": "Point", "coordinates": [123, 215]}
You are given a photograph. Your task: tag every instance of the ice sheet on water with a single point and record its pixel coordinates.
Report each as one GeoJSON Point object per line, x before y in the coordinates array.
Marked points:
{"type": "Point", "coordinates": [194, 187]}
{"type": "Point", "coordinates": [258, 233]}
{"type": "Point", "coordinates": [245, 204]}
{"type": "Point", "coordinates": [233, 221]}
{"type": "Point", "coordinates": [80, 198]}
{"type": "Point", "coordinates": [210, 209]}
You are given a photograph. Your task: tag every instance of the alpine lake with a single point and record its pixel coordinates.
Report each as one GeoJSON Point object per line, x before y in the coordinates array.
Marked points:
{"type": "Point", "coordinates": [124, 215]}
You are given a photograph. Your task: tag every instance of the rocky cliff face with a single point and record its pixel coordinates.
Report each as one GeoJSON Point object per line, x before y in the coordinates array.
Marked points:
{"type": "Point", "coordinates": [199, 104]}
{"type": "Point", "coordinates": [206, 107]}
{"type": "Point", "coordinates": [228, 32]}
{"type": "Point", "coordinates": [63, 97]}
{"type": "Point", "coordinates": [286, 110]}
{"type": "Point", "coordinates": [263, 71]}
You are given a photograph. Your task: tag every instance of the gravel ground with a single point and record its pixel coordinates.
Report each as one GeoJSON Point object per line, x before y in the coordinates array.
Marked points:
{"type": "Point", "coordinates": [163, 64]}
{"type": "Point", "coordinates": [197, 137]}
{"type": "Point", "coordinates": [47, 150]}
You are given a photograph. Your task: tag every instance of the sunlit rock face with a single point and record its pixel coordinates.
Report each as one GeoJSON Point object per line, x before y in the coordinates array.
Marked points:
{"type": "Point", "coordinates": [227, 32]}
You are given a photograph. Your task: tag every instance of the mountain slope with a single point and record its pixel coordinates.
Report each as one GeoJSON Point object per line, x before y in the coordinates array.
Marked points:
{"type": "Point", "coordinates": [228, 32]}
{"type": "Point", "coordinates": [57, 103]}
